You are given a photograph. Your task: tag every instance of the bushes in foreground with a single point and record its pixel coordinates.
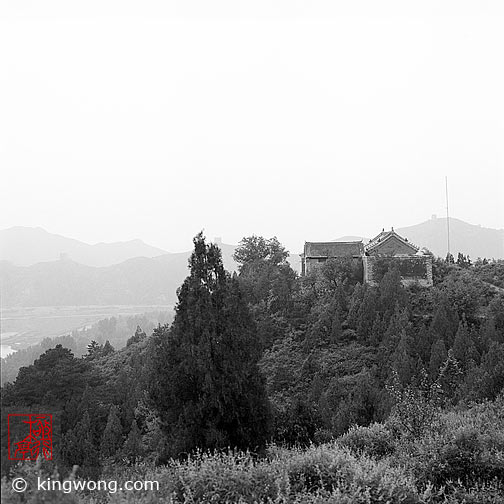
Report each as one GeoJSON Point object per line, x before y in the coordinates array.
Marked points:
{"type": "Point", "coordinates": [375, 440]}
{"type": "Point", "coordinates": [465, 446]}
{"type": "Point", "coordinates": [326, 473]}
{"type": "Point", "coordinates": [459, 459]}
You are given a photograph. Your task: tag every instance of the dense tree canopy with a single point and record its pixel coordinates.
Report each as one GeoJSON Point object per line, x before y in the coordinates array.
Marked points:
{"type": "Point", "coordinates": [56, 376]}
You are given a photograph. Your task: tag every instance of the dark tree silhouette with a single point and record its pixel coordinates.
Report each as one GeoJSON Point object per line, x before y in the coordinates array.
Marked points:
{"type": "Point", "coordinates": [205, 382]}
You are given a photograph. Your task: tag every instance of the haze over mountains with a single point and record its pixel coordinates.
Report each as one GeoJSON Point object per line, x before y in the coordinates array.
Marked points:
{"type": "Point", "coordinates": [65, 282]}
{"type": "Point", "coordinates": [142, 281]}
{"type": "Point", "coordinates": [38, 268]}
{"type": "Point", "coordinates": [24, 246]}
{"type": "Point", "coordinates": [477, 241]}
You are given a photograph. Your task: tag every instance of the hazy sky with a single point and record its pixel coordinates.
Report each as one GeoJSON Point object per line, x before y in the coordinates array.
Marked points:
{"type": "Point", "coordinates": [306, 120]}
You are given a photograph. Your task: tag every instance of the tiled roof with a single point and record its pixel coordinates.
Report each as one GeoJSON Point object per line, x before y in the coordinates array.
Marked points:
{"type": "Point", "coordinates": [385, 235]}
{"type": "Point", "coordinates": [333, 249]}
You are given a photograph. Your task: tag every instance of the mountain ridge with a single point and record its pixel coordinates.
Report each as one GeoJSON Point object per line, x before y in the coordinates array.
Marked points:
{"type": "Point", "coordinates": [65, 282]}
{"type": "Point", "coordinates": [154, 280]}
{"type": "Point", "coordinates": [24, 246]}
{"type": "Point", "coordinates": [470, 239]}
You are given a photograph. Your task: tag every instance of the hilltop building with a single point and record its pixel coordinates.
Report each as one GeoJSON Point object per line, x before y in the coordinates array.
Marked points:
{"type": "Point", "coordinates": [384, 250]}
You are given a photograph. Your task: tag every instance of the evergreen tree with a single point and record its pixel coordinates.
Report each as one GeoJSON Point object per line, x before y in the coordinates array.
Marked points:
{"type": "Point", "coordinates": [396, 329]}
{"type": "Point", "coordinates": [107, 349]}
{"type": "Point", "coordinates": [445, 321]}
{"type": "Point", "coordinates": [152, 438]}
{"type": "Point", "coordinates": [133, 446]}
{"type": "Point", "coordinates": [489, 333]}
{"type": "Point", "coordinates": [94, 349]}
{"type": "Point", "coordinates": [437, 358]}
{"type": "Point", "coordinates": [112, 435]}
{"type": "Point", "coordinates": [377, 331]}
{"type": "Point", "coordinates": [355, 304]}
{"type": "Point", "coordinates": [403, 360]}
{"type": "Point", "coordinates": [492, 367]}
{"type": "Point", "coordinates": [336, 329]}
{"type": "Point", "coordinates": [359, 404]}
{"type": "Point", "coordinates": [496, 312]}
{"type": "Point", "coordinates": [341, 299]}
{"type": "Point", "coordinates": [206, 383]}
{"type": "Point", "coordinates": [126, 394]}
{"type": "Point", "coordinates": [463, 261]}
{"type": "Point", "coordinates": [138, 336]}
{"type": "Point", "coordinates": [423, 343]}
{"type": "Point", "coordinates": [70, 415]}
{"type": "Point", "coordinates": [87, 403]}
{"type": "Point", "coordinates": [77, 448]}
{"type": "Point", "coordinates": [392, 293]}
{"type": "Point", "coordinates": [450, 377]}
{"type": "Point", "coordinates": [56, 376]}
{"type": "Point", "coordinates": [367, 314]}
{"type": "Point", "coordinates": [327, 326]}
{"type": "Point", "coordinates": [463, 347]}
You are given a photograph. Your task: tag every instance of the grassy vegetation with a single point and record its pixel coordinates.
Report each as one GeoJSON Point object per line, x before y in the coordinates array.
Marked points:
{"type": "Point", "coordinates": [459, 458]}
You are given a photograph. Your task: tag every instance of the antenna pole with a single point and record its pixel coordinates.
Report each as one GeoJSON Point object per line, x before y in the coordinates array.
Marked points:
{"type": "Point", "coordinates": [447, 215]}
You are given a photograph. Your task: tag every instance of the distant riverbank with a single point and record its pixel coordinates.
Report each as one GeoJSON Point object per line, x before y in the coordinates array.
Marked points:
{"type": "Point", "coordinates": [6, 350]}
{"type": "Point", "coordinates": [25, 326]}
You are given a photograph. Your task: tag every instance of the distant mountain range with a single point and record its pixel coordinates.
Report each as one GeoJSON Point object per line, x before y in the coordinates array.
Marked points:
{"type": "Point", "coordinates": [139, 280]}
{"type": "Point", "coordinates": [475, 241]}
{"type": "Point", "coordinates": [133, 272]}
{"type": "Point", "coordinates": [24, 246]}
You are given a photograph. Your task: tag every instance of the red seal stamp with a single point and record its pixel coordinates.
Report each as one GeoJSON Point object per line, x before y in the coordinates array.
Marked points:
{"type": "Point", "coordinates": [29, 436]}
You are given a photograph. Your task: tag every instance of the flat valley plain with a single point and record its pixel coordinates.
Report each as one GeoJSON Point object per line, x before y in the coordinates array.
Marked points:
{"type": "Point", "coordinates": [25, 326]}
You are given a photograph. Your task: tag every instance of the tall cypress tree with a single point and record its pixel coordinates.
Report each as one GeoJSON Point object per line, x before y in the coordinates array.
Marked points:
{"type": "Point", "coordinates": [78, 448]}
{"type": "Point", "coordinates": [437, 358]}
{"type": "Point", "coordinates": [445, 321]}
{"type": "Point", "coordinates": [367, 314]}
{"type": "Point", "coordinates": [398, 326]}
{"type": "Point", "coordinates": [133, 446]}
{"type": "Point", "coordinates": [112, 435]}
{"type": "Point", "coordinates": [450, 377]}
{"type": "Point", "coordinates": [403, 360]}
{"type": "Point", "coordinates": [354, 305]}
{"type": "Point", "coordinates": [205, 382]}
{"type": "Point", "coordinates": [464, 349]}
{"type": "Point", "coordinates": [392, 293]}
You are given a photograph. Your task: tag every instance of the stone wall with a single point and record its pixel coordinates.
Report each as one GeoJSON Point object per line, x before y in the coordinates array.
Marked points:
{"type": "Point", "coordinates": [368, 270]}
{"type": "Point", "coordinates": [413, 269]}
